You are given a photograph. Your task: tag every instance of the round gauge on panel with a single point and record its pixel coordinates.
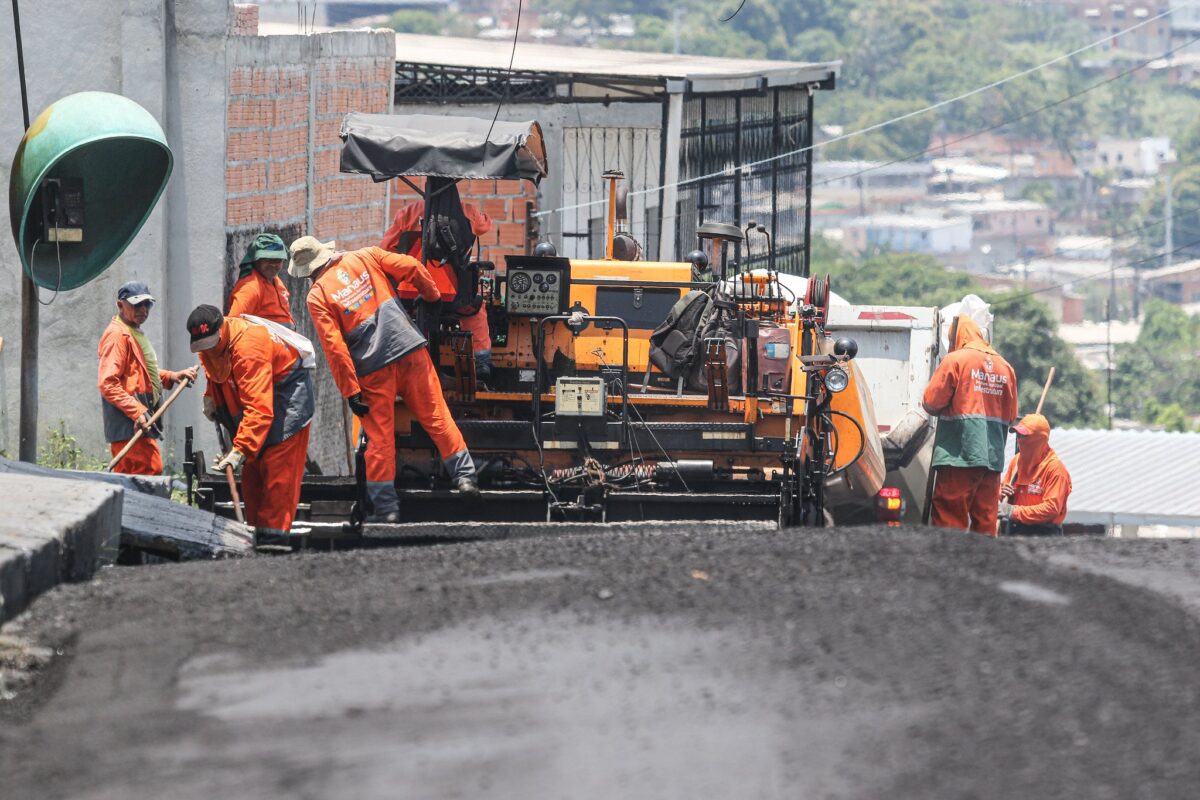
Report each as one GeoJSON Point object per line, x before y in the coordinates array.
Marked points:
{"type": "Point", "coordinates": [520, 283]}
{"type": "Point", "coordinates": [551, 279]}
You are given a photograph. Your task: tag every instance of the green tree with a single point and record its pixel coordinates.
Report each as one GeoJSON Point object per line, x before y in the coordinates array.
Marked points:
{"type": "Point", "coordinates": [1025, 333]}
{"type": "Point", "coordinates": [1161, 367]}
{"type": "Point", "coordinates": [416, 21]}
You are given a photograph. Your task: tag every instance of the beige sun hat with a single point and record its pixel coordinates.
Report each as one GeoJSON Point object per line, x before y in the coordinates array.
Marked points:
{"type": "Point", "coordinates": [309, 254]}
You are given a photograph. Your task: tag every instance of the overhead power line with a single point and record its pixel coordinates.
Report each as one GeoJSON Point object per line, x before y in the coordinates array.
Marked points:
{"type": "Point", "coordinates": [886, 123]}
{"type": "Point", "coordinates": [1093, 275]}
{"type": "Point", "coordinates": [1072, 96]}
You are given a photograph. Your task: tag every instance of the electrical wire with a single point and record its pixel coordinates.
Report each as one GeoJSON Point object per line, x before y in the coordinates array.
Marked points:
{"type": "Point", "coordinates": [889, 122]}
{"type": "Point", "coordinates": [1074, 95]}
{"type": "Point", "coordinates": [508, 79]}
{"type": "Point", "coordinates": [1092, 276]}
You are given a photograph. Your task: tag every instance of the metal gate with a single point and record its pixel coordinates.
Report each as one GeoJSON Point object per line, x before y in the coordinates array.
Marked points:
{"type": "Point", "coordinates": [587, 153]}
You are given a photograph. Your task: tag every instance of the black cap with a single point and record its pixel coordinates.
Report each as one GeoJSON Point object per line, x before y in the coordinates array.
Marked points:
{"type": "Point", "coordinates": [204, 325]}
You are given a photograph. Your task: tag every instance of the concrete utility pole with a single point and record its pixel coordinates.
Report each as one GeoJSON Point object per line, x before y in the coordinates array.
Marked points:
{"type": "Point", "coordinates": [27, 448]}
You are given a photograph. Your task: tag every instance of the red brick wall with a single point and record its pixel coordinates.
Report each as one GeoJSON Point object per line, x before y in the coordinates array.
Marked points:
{"type": "Point", "coordinates": [243, 20]}
{"type": "Point", "coordinates": [266, 164]}
{"type": "Point", "coordinates": [504, 201]}
{"type": "Point", "coordinates": [273, 109]}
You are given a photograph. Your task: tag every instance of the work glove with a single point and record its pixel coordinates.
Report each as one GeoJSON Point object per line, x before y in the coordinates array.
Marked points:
{"type": "Point", "coordinates": [1006, 510]}
{"type": "Point", "coordinates": [142, 423]}
{"type": "Point", "coordinates": [190, 374]}
{"type": "Point", "coordinates": [357, 405]}
{"type": "Point", "coordinates": [210, 408]}
{"type": "Point", "coordinates": [234, 458]}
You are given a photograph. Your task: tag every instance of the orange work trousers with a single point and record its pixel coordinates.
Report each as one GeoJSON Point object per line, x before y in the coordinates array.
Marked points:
{"type": "Point", "coordinates": [143, 459]}
{"type": "Point", "coordinates": [413, 379]}
{"type": "Point", "coordinates": [271, 483]}
{"type": "Point", "coordinates": [967, 498]}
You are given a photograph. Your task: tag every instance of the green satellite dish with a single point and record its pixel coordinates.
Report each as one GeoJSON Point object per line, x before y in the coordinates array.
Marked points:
{"type": "Point", "coordinates": [83, 182]}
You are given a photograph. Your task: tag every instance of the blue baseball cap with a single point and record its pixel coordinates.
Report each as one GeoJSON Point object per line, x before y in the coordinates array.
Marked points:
{"type": "Point", "coordinates": [134, 292]}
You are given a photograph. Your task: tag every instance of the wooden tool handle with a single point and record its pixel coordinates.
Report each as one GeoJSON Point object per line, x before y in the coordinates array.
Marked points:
{"type": "Point", "coordinates": [139, 433]}
{"type": "Point", "coordinates": [1045, 390]}
{"type": "Point", "coordinates": [233, 493]}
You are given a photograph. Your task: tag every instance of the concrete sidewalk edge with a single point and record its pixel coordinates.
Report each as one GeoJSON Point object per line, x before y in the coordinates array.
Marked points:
{"type": "Point", "coordinates": [53, 530]}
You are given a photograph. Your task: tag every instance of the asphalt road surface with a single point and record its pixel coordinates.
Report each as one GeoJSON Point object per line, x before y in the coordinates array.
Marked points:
{"type": "Point", "coordinates": [853, 663]}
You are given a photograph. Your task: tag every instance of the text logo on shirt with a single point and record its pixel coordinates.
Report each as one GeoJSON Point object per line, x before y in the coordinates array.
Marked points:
{"type": "Point", "coordinates": [355, 293]}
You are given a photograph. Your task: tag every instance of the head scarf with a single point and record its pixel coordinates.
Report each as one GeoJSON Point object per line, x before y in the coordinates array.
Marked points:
{"type": "Point", "coordinates": [265, 245]}
{"type": "Point", "coordinates": [967, 334]}
{"type": "Point", "coordinates": [1034, 443]}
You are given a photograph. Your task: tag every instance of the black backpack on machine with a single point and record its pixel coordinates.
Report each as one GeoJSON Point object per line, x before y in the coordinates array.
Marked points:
{"type": "Point", "coordinates": [677, 345]}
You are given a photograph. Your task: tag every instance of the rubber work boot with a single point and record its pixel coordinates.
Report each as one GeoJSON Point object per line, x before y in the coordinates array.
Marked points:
{"type": "Point", "coordinates": [466, 485]}
{"type": "Point", "coordinates": [386, 518]}
{"type": "Point", "coordinates": [267, 540]}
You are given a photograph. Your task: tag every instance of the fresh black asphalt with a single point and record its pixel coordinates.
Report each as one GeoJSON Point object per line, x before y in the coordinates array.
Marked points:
{"type": "Point", "coordinates": [656, 662]}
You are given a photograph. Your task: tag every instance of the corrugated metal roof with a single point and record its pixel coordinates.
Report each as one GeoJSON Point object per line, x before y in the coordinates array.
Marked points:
{"type": "Point", "coordinates": [707, 73]}
{"type": "Point", "coordinates": [1130, 477]}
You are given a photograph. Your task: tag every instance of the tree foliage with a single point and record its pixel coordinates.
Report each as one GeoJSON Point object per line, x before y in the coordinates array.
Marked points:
{"type": "Point", "coordinates": [1161, 368]}
{"type": "Point", "coordinates": [900, 55]}
{"type": "Point", "coordinates": [1024, 333]}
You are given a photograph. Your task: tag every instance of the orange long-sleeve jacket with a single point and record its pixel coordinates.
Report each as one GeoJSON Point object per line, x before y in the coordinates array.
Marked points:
{"type": "Point", "coordinates": [973, 393]}
{"type": "Point", "coordinates": [255, 295]}
{"type": "Point", "coordinates": [123, 378]}
{"type": "Point", "coordinates": [1040, 481]}
{"type": "Point", "coordinates": [358, 318]}
{"type": "Point", "coordinates": [408, 220]}
{"type": "Point", "coordinates": [246, 364]}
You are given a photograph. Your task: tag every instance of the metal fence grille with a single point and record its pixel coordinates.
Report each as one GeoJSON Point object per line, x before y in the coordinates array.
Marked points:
{"type": "Point", "coordinates": [587, 153]}
{"type": "Point", "coordinates": [720, 133]}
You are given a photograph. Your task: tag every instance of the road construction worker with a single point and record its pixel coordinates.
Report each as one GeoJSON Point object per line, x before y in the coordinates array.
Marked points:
{"type": "Point", "coordinates": [267, 390]}
{"type": "Point", "coordinates": [258, 290]}
{"type": "Point", "coordinates": [973, 393]}
{"type": "Point", "coordinates": [131, 382]}
{"type": "Point", "coordinates": [467, 307]}
{"type": "Point", "coordinates": [376, 353]}
{"type": "Point", "coordinates": [1036, 484]}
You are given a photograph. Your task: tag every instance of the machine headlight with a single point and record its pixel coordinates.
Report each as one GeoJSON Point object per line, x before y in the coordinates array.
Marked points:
{"type": "Point", "coordinates": [836, 380]}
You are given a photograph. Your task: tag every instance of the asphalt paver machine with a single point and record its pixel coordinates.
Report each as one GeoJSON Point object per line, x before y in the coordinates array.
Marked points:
{"type": "Point", "coordinates": [620, 390]}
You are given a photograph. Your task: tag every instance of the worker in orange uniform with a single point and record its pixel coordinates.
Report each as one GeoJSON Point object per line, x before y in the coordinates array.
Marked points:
{"type": "Point", "coordinates": [268, 391]}
{"type": "Point", "coordinates": [258, 290]}
{"type": "Point", "coordinates": [131, 382]}
{"type": "Point", "coordinates": [376, 353]}
{"type": "Point", "coordinates": [404, 236]}
{"type": "Point", "coordinates": [258, 293]}
{"type": "Point", "coordinates": [973, 393]}
{"type": "Point", "coordinates": [1036, 484]}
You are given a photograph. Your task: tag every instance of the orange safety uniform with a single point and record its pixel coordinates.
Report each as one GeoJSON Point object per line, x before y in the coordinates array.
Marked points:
{"type": "Point", "coordinates": [408, 220]}
{"type": "Point", "coordinates": [1040, 481]}
{"type": "Point", "coordinates": [126, 392]}
{"type": "Point", "coordinates": [373, 348]}
{"type": "Point", "coordinates": [973, 392]}
{"type": "Point", "coordinates": [255, 295]}
{"type": "Point", "coordinates": [261, 382]}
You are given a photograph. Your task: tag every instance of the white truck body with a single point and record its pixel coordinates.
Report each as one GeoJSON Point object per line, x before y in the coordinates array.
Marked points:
{"type": "Point", "coordinates": [898, 350]}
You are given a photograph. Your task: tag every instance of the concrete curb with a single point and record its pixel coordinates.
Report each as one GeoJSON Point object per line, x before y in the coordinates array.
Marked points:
{"type": "Point", "coordinates": [53, 530]}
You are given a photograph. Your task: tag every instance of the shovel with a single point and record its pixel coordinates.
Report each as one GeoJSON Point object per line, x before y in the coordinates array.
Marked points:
{"type": "Point", "coordinates": [233, 490]}
{"type": "Point", "coordinates": [141, 432]}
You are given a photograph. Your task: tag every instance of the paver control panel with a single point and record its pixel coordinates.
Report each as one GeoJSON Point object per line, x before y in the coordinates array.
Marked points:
{"type": "Point", "coordinates": [537, 289]}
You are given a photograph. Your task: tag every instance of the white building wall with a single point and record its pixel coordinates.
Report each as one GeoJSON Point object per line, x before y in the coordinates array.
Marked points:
{"type": "Point", "coordinates": [169, 57]}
